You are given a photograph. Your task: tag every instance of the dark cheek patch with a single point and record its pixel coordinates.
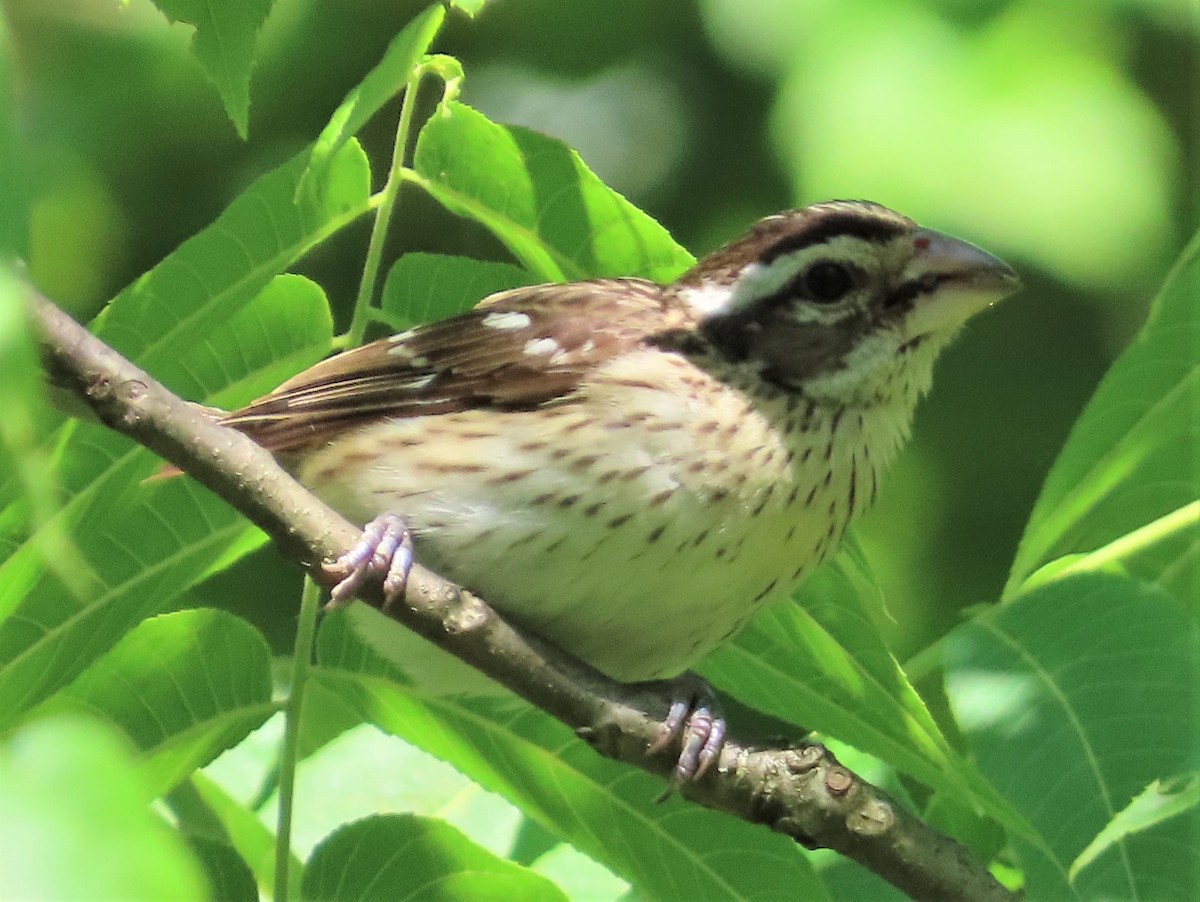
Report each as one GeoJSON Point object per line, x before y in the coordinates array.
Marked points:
{"type": "Point", "coordinates": [793, 352]}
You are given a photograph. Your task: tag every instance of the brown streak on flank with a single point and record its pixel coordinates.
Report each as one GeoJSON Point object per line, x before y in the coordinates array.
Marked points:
{"type": "Point", "coordinates": [708, 427]}
{"type": "Point", "coordinates": [633, 383]}
{"type": "Point", "coordinates": [475, 434]}
{"type": "Point", "coordinates": [555, 545]}
{"type": "Point", "coordinates": [655, 534]}
{"type": "Point", "coordinates": [392, 442]}
{"type": "Point", "coordinates": [758, 509]}
{"type": "Point", "coordinates": [721, 552]}
{"type": "Point", "coordinates": [592, 509]}
{"type": "Point", "coordinates": [662, 498]}
{"type": "Point", "coordinates": [580, 423]}
{"type": "Point", "coordinates": [532, 447]}
{"type": "Point", "coordinates": [544, 498]}
{"type": "Point", "coordinates": [811, 495]}
{"type": "Point", "coordinates": [509, 477]}
{"type": "Point", "coordinates": [697, 466]}
{"type": "Point", "coordinates": [799, 572]}
{"type": "Point", "coordinates": [807, 455]}
{"type": "Point", "coordinates": [791, 532]}
{"type": "Point", "coordinates": [828, 477]}
{"type": "Point", "coordinates": [793, 494]}
{"type": "Point", "coordinates": [718, 495]}
{"type": "Point", "coordinates": [853, 485]}
{"type": "Point", "coordinates": [616, 522]}
{"type": "Point", "coordinates": [765, 592]}
{"type": "Point", "coordinates": [351, 458]}
{"type": "Point", "coordinates": [607, 476]}
{"type": "Point", "coordinates": [699, 540]}
{"type": "Point", "coordinates": [450, 469]}
{"type": "Point", "coordinates": [635, 473]}
{"type": "Point", "coordinates": [569, 501]}
{"type": "Point", "coordinates": [585, 463]}
{"type": "Point", "coordinates": [560, 453]}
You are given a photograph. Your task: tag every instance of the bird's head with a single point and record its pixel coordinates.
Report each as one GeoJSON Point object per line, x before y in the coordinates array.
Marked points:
{"type": "Point", "coordinates": [846, 302]}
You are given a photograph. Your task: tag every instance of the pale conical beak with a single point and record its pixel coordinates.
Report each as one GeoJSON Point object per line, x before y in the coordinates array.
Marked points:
{"type": "Point", "coordinates": [964, 278]}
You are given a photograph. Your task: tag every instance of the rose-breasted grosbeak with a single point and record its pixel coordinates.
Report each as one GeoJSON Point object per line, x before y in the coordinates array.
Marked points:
{"type": "Point", "coordinates": [632, 470]}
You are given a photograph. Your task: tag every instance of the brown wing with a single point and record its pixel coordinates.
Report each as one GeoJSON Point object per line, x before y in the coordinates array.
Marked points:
{"type": "Point", "coordinates": [517, 349]}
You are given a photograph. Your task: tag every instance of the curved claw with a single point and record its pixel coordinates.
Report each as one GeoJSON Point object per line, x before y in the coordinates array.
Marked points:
{"type": "Point", "coordinates": [694, 718]}
{"type": "Point", "coordinates": [384, 551]}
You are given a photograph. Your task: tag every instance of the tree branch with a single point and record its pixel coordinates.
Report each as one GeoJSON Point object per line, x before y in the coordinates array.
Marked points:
{"type": "Point", "coordinates": [802, 792]}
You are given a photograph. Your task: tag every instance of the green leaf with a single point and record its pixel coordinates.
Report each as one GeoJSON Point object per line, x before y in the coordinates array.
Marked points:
{"type": "Point", "coordinates": [471, 7]}
{"type": "Point", "coordinates": [425, 287]}
{"type": "Point", "coordinates": [604, 809]}
{"type": "Point", "coordinates": [540, 199]}
{"type": "Point", "coordinates": [142, 544]}
{"type": "Point", "coordinates": [402, 856]}
{"type": "Point", "coordinates": [14, 206]}
{"type": "Point", "coordinates": [246, 833]}
{"type": "Point", "coordinates": [1126, 485]}
{"type": "Point", "coordinates": [207, 278]}
{"type": "Point", "coordinates": [183, 687]}
{"type": "Point", "coordinates": [227, 873]}
{"type": "Point", "coordinates": [224, 43]}
{"type": "Point", "coordinates": [76, 824]}
{"type": "Point", "coordinates": [1075, 697]}
{"type": "Point", "coordinates": [1158, 802]}
{"type": "Point", "coordinates": [820, 661]}
{"type": "Point", "coordinates": [383, 82]}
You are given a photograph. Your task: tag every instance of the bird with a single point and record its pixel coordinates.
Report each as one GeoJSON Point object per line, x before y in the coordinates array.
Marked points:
{"type": "Point", "coordinates": [632, 470]}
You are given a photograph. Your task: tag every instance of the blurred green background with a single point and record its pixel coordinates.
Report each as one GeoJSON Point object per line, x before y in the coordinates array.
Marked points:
{"type": "Point", "coordinates": [1060, 134]}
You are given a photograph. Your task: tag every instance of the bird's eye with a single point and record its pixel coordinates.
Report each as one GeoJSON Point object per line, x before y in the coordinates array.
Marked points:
{"type": "Point", "coordinates": [828, 282]}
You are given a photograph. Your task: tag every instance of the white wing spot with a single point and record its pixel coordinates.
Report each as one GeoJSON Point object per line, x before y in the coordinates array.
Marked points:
{"type": "Point", "coordinates": [403, 336]}
{"type": "Point", "coordinates": [506, 320]}
{"type": "Point", "coordinates": [539, 346]}
{"type": "Point", "coordinates": [419, 382]}
{"type": "Point", "coordinates": [408, 356]}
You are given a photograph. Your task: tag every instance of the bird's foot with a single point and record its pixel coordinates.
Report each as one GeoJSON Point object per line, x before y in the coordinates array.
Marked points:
{"type": "Point", "coordinates": [384, 551]}
{"type": "Point", "coordinates": [696, 721]}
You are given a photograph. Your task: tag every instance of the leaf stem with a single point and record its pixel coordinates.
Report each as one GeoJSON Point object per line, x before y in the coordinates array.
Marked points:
{"type": "Point", "coordinates": [1132, 543]}
{"type": "Point", "coordinates": [383, 215]}
{"type": "Point", "coordinates": [301, 657]}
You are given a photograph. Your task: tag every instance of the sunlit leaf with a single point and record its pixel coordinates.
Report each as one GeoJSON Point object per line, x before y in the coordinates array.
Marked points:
{"type": "Point", "coordinates": [820, 662]}
{"type": "Point", "coordinates": [537, 196]}
{"type": "Point", "coordinates": [245, 832]}
{"type": "Point", "coordinates": [76, 824]}
{"type": "Point", "coordinates": [183, 687]}
{"type": "Point", "coordinates": [1160, 801]}
{"type": "Point", "coordinates": [425, 287]}
{"type": "Point", "coordinates": [225, 40]}
{"type": "Point", "coordinates": [1075, 697]}
{"type": "Point", "coordinates": [383, 82]}
{"type": "Point", "coordinates": [1125, 485]}
{"type": "Point", "coordinates": [402, 856]}
{"type": "Point", "coordinates": [143, 544]}
{"type": "Point", "coordinates": [605, 810]}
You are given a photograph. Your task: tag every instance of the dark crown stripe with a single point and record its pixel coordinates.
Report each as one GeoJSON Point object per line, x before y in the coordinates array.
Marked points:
{"type": "Point", "coordinates": [872, 228]}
